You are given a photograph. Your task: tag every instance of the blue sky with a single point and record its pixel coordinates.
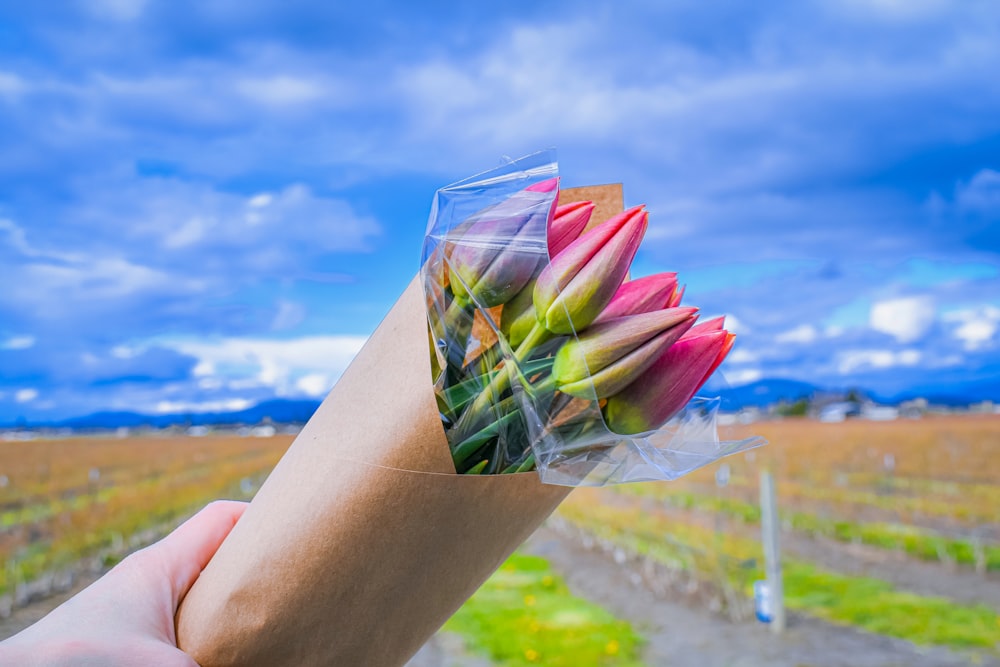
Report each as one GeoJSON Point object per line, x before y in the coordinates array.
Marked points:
{"type": "Point", "coordinates": [205, 204]}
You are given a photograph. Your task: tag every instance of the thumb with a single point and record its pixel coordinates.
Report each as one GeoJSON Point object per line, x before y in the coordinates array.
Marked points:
{"type": "Point", "coordinates": [185, 552]}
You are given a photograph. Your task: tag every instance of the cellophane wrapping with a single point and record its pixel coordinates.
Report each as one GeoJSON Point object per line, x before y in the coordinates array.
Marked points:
{"type": "Point", "coordinates": [565, 438]}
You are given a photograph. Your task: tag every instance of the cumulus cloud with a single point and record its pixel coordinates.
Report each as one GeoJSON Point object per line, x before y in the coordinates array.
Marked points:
{"type": "Point", "coordinates": [976, 328]}
{"type": "Point", "coordinates": [18, 343]}
{"type": "Point", "coordinates": [742, 376]}
{"type": "Point", "coordinates": [804, 333]}
{"type": "Point", "coordinates": [216, 170]}
{"type": "Point", "coordinates": [226, 405]}
{"type": "Point", "coordinates": [306, 365]}
{"type": "Point", "coordinates": [906, 319]}
{"type": "Point", "coordinates": [25, 395]}
{"type": "Point", "coordinates": [851, 361]}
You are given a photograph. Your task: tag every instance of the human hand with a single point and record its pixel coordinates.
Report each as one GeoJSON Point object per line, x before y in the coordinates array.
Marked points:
{"type": "Point", "coordinates": [127, 616]}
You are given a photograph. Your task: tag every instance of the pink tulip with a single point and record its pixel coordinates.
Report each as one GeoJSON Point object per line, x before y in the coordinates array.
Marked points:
{"type": "Point", "coordinates": [668, 384]}
{"type": "Point", "coordinates": [676, 299]}
{"type": "Point", "coordinates": [567, 224]}
{"type": "Point", "coordinates": [580, 281]}
{"type": "Point", "coordinates": [494, 258]}
{"type": "Point", "coordinates": [714, 324]}
{"type": "Point", "coordinates": [608, 356]}
{"type": "Point", "coordinates": [641, 295]}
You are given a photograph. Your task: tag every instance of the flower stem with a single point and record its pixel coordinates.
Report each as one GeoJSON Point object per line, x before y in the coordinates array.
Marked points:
{"type": "Point", "coordinates": [501, 381]}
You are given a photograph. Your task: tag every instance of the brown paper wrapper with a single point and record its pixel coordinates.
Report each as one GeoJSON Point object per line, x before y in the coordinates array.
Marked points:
{"type": "Point", "coordinates": [363, 540]}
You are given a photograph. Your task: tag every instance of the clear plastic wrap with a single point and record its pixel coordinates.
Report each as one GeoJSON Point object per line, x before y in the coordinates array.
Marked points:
{"type": "Point", "coordinates": [498, 323]}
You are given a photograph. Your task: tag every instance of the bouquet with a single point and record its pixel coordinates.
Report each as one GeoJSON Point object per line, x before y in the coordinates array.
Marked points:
{"type": "Point", "coordinates": [545, 356]}
{"type": "Point", "coordinates": [420, 473]}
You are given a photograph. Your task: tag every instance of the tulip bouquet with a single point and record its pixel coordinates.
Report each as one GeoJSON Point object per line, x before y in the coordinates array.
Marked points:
{"type": "Point", "coordinates": [546, 357]}
{"type": "Point", "coordinates": [363, 540]}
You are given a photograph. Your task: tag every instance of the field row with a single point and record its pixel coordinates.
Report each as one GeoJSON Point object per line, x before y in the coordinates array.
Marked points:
{"type": "Point", "coordinates": [58, 510]}
{"type": "Point", "coordinates": [733, 562]}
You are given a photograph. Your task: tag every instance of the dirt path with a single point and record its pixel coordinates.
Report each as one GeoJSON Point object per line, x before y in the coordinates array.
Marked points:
{"type": "Point", "coordinates": [681, 635]}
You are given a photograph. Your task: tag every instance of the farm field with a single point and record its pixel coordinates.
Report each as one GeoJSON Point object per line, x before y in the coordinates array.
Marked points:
{"type": "Point", "coordinates": [887, 527]}
{"type": "Point", "coordinates": [890, 540]}
{"type": "Point", "coordinates": [67, 501]}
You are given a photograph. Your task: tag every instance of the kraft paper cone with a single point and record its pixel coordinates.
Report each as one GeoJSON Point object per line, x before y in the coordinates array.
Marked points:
{"type": "Point", "coordinates": [363, 540]}
{"type": "Point", "coordinates": [608, 200]}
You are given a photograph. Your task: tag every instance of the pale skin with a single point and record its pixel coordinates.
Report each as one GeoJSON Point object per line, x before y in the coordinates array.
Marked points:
{"type": "Point", "coordinates": [127, 616]}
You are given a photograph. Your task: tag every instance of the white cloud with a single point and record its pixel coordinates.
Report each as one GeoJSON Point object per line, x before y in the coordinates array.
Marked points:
{"type": "Point", "coordinates": [849, 361]}
{"type": "Point", "coordinates": [123, 352]}
{"type": "Point", "coordinates": [741, 355]}
{"type": "Point", "coordinates": [804, 333]}
{"type": "Point", "coordinates": [96, 278]}
{"type": "Point", "coordinates": [25, 395]}
{"type": "Point", "coordinates": [283, 90]}
{"type": "Point", "coordinates": [188, 233]}
{"type": "Point", "coordinates": [290, 366]}
{"type": "Point", "coordinates": [269, 227]}
{"type": "Point", "coordinates": [736, 326]}
{"type": "Point", "coordinates": [743, 376]}
{"type": "Point", "coordinates": [314, 384]}
{"type": "Point", "coordinates": [18, 343]}
{"type": "Point", "coordinates": [976, 327]}
{"type": "Point", "coordinates": [226, 405]}
{"type": "Point", "coordinates": [906, 319]}
{"type": "Point", "coordinates": [260, 200]}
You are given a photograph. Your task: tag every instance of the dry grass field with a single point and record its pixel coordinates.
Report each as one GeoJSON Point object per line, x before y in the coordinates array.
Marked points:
{"type": "Point", "coordinates": [892, 528]}
{"type": "Point", "coordinates": [69, 499]}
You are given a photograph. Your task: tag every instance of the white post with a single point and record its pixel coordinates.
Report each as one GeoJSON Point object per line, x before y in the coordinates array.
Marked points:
{"type": "Point", "coordinates": [770, 528]}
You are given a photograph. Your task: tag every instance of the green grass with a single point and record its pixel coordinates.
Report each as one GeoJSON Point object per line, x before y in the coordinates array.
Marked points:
{"type": "Point", "coordinates": [916, 542]}
{"type": "Point", "coordinates": [876, 606]}
{"type": "Point", "coordinates": [866, 603]}
{"type": "Point", "coordinates": [525, 615]}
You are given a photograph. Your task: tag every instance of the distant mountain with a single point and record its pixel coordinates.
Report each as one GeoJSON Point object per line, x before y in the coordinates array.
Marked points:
{"type": "Point", "coordinates": [760, 394]}
{"type": "Point", "coordinates": [954, 394]}
{"type": "Point", "coordinates": [763, 393]}
{"type": "Point", "coordinates": [279, 411]}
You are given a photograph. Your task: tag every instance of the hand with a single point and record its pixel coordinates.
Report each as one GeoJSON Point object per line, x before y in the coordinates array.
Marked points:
{"type": "Point", "coordinates": [127, 616]}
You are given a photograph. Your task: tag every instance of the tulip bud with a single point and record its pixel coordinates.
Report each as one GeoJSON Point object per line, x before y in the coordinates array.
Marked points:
{"type": "Point", "coordinates": [567, 224]}
{"type": "Point", "coordinates": [518, 316]}
{"type": "Point", "coordinates": [714, 324]}
{"type": "Point", "coordinates": [581, 280]}
{"type": "Point", "coordinates": [675, 300]}
{"type": "Point", "coordinates": [641, 295]}
{"type": "Point", "coordinates": [498, 251]}
{"type": "Point", "coordinates": [668, 384]}
{"type": "Point", "coordinates": [608, 356]}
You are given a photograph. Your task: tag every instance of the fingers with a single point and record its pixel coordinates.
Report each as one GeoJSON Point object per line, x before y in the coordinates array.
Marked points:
{"type": "Point", "coordinates": [185, 552]}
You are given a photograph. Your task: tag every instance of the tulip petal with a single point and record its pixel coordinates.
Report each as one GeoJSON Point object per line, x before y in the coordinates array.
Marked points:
{"type": "Point", "coordinates": [608, 356]}
{"type": "Point", "coordinates": [714, 324]}
{"type": "Point", "coordinates": [666, 386]}
{"type": "Point", "coordinates": [676, 299]}
{"type": "Point", "coordinates": [567, 224]}
{"type": "Point", "coordinates": [581, 280]}
{"type": "Point", "coordinates": [498, 251]}
{"type": "Point", "coordinates": [641, 295]}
